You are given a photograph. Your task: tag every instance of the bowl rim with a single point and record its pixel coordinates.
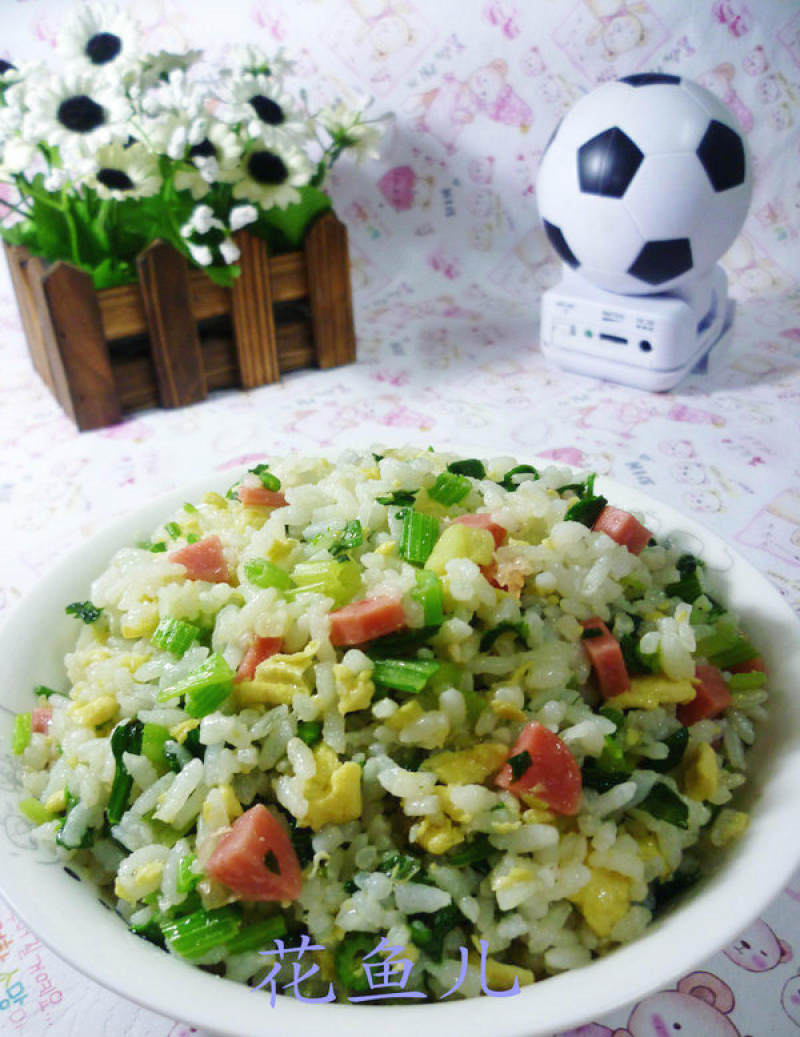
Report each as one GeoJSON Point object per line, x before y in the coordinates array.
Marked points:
{"type": "Point", "coordinates": [673, 946]}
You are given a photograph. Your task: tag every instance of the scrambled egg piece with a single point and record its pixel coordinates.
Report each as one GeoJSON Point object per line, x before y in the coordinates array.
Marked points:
{"type": "Point", "coordinates": [388, 547]}
{"type": "Point", "coordinates": [221, 800]}
{"type": "Point", "coordinates": [145, 880]}
{"type": "Point", "coordinates": [467, 766]}
{"type": "Point", "coordinates": [539, 814]}
{"type": "Point", "coordinates": [180, 731]}
{"type": "Point", "coordinates": [652, 691]}
{"type": "Point", "coordinates": [279, 550]}
{"type": "Point", "coordinates": [701, 776]}
{"type": "Point", "coordinates": [511, 878]}
{"type": "Point", "coordinates": [57, 802]}
{"type": "Point", "coordinates": [277, 679]}
{"type": "Point", "coordinates": [500, 976]}
{"type": "Point", "coordinates": [334, 793]}
{"type": "Point", "coordinates": [406, 715]}
{"type": "Point", "coordinates": [437, 834]}
{"type": "Point", "coordinates": [140, 621]}
{"type": "Point", "coordinates": [95, 712]}
{"type": "Point", "coordinates": [604, 900]}
{"type": "Point", "coordinates": [355, 690]}
{"type": "Point", "coordinates": [729, 825]}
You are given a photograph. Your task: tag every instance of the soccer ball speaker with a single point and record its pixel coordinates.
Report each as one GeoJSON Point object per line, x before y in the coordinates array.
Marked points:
{"type": "Point", "coordinates": [643, 186]}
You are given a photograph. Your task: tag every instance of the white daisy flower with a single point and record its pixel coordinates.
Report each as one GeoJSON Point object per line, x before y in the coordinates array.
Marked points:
{"type": "Point", "coordinates": [156, 68]}
{"type": "Point", "coordinates": [271, 176]}
{"type": "Point", "coordinates": [260, 107]}
{"type": "Point", "coordinates": [100, 35]}
{"type": "Point", "coordinates": [78, 114]}
{"type": "Point", "coordinates": [241, 215]}
{"type": "Point", "coordinates": [215, 156]}
{"type": "Point", "coordinates": [123, 171]}
{"type": "Point", "coordinates": [252, 60]}
{"type": "Point", "coordinates": [347, 129]}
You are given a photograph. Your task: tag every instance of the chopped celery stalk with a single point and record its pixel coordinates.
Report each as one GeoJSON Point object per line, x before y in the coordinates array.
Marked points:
{"type": "Point", "coordinates": [428, 593]}
{"type": "Point", "coordinates": [747, 681]}
{"type": "Point", "coordinates": [268, 480]}
{"type": "Point", "coordinates": [154, 737]}
{"type": "Point", "coordinates": [338, 580]}
{"type": "Point", "coordinates": [461, 541]}
{"type": "Point", "coordinates": [22, 733]}
{"type": "Point", "coordinates": [449, 488]}
{"type": "Point", "coordinates": [192, 538]}
{"type": "Point", "coordinates": [174, 635]}
{"type": "Point", "coordinates": [44, 692]}
{"type": "Point", "coordinates": [125, 738]}
{"type": "Point", "coordinates": [471, 466]}
{"type": "Point", "coordinates": [35, 811]}
{"type": "Point", "coordinates": [258, 936]}
{"type": "Point", "coordinates": [195, 935]}
{"type": "Point", "coordinates": [190, 508]}
{"type": "Point", "coordinates": [187, 879]}
{"type": "Point", "coordinates": [212, 673]}
{"type": "Point", "coordinates": [409, 675]}
{"type": "Point", "coordinates": [420, 533]}
{"type": "Point", "coordinates": [202, 701]}
{"type": "Point", "coordinates": [722, 636]}
{"type": "Point", "coordinates": [264, 573]}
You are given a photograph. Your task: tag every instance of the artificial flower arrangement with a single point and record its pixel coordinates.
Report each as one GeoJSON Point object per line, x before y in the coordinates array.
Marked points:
{"type": "Point", "coordinates": [124, 147]}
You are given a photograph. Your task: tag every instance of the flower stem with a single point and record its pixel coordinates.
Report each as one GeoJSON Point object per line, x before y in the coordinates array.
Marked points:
{"type": "Point", "coordinates": [71, 228]}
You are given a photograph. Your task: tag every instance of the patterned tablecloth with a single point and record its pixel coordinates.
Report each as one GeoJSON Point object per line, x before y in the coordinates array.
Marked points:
{"type": "Point", "coordinates": [448, 266]}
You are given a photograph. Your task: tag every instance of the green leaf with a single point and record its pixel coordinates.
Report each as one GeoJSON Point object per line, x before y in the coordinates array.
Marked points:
{"type": "Point", "coordinates": [666, 805]}
{"type": "Point", "coordinates": [287, 227]}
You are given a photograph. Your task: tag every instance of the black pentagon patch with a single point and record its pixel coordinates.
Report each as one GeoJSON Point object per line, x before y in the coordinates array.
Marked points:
{"type": "Point", "coordinates": [607, 163]}
{"type": "Point", "coordinates": [559, 243]}
{"type": "Point", "coordinates": [660, 261]}
{"type": "Point", "coordinates": [648, 78]}
{"type": "Point", "coordinates": [722, 153]}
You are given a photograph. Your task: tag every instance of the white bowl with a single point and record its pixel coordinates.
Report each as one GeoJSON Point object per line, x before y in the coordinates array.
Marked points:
{"type": "Point", "coordinates": [68, 915]}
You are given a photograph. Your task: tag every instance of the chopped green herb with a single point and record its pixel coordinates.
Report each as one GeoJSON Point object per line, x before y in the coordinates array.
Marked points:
{"type": "Point", "coordinates": [348, 961]}
{"type": "Point", "coordinates": [348, 539]}
{"type": "Point", "coordinates": [174, 635]}
{"type": "Point", "coordinates": [400, 866]}
{"type": "Point", "coordinates": [190, 508]}
{"type": "Point", "coordinates": [475, 851]}
{"type": "Point", "coordinates": [125, 738]}
{"type": "Point", "coordinates": [519, 764]}
{"type": "Point", "coordinates": [688, 588]}
{"type": "Point", "coordinates": [399, 498]}
{"type": "Point", "coordinates": [147, 545]}
{"type": "Point", "coordinates": [420, 533]}
{"type": "Point", "coordinates": [520, 629]}
{"type": "Point", "coordinates": [666, 891]}
{"type": "Point", "coordinates": [440, 923]}
{"type": "Point", "coordinates": [471, 466]}
{"type": "Point", "coordinates": [85, 840]}
{"type": "Point", "coordinates": [508, 483]}
{"type": "Point", "coordinates": [420, 933]}
{"type": "Point", "coordinates": [676, 746]}
{"type": "Point", "coordinates": [449, 488]}
{"type": "Point", "coordinates": [176, 755]}
{"type": "Point", "coordinates": [404, 643]}
{"type": "Point", "coordinates": [22, 733]}
{"type": "Point", "coordinates": [44, 692]}
{"type": "Point", "coordinates": [747, 681]}
{"type": "Point", "coordinates": [309, 731]}
{"type": "Point", "coordinates": [666, 805]}
{"type": "Point", "coordinates": [585, 510]}
{"type": "Point", "coordinates": [264, 573]}
{"type": "Point", "coordinates": [192, 538]}
{"type": "Point", "coordinates": [173, 529]}
{"type": "Point", "coordinates": [407, 675]}
{"type": "Point", "coordinates": [84, 610]}
{"type": "Point", "coordinates": [378, 458]}
{"type": "Point", "coordinates": [268, 480]}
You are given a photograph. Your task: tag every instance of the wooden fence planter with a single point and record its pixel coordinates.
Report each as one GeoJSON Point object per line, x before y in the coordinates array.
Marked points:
{"type": "Point", "coordinates": [176, 335]}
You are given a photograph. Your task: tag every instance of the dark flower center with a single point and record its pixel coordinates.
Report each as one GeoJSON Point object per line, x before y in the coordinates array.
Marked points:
{"type": "Point", "coordinates": [81, 114]}
{"type": "Point", "coordinates": [5, 66]}
{"type": "Point", "coordinates": [103, 47]}
{"type": "Point", "coordinates": [267, 110]}
{"type": "Point", "coordinates": [205, 149]}
{"type": "Point", "coordinates": [267, 168]}
{"type": "Point", "coordinates": [115, 179]}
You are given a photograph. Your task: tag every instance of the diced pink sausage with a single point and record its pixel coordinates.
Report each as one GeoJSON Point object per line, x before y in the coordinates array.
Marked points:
{"type": "Point", "coordinates": [365, 620]}
{"type": "Point", "coordinates": [483, 521]}
{"type": "Point", "coordinates": [42, 716]}
{"type": "Point", "coordinates": [238, 860]}
{"type": "Point", "coordinates": [260, 496]}
{"type": "Point", "coordinates": [605, 655]}
{"type": "Point", "coordinates": [203, 561]}
{"type": "Point", "coordinates": [623, 527]}
{"type": "Point", "coordinates": [261, 648]}
{"type": "Point", "coordinates": [712, 696]}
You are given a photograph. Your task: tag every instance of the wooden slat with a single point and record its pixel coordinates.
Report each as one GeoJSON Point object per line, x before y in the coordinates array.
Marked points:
{"type": "Point", "coordinates": [18, 258]}
{"type": "Point", "coordinates": [328, 265]}
{"type": "Point", "coordinates": [253, 316]}
{"type": "Point", "coordinates": [288, 277]}
{"type": "Point", "coordinates": [81, 344]}
{"type": "Point", "coordinates": [174, 343]}
{"type": "Point", "coordinates": [135, 378]}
